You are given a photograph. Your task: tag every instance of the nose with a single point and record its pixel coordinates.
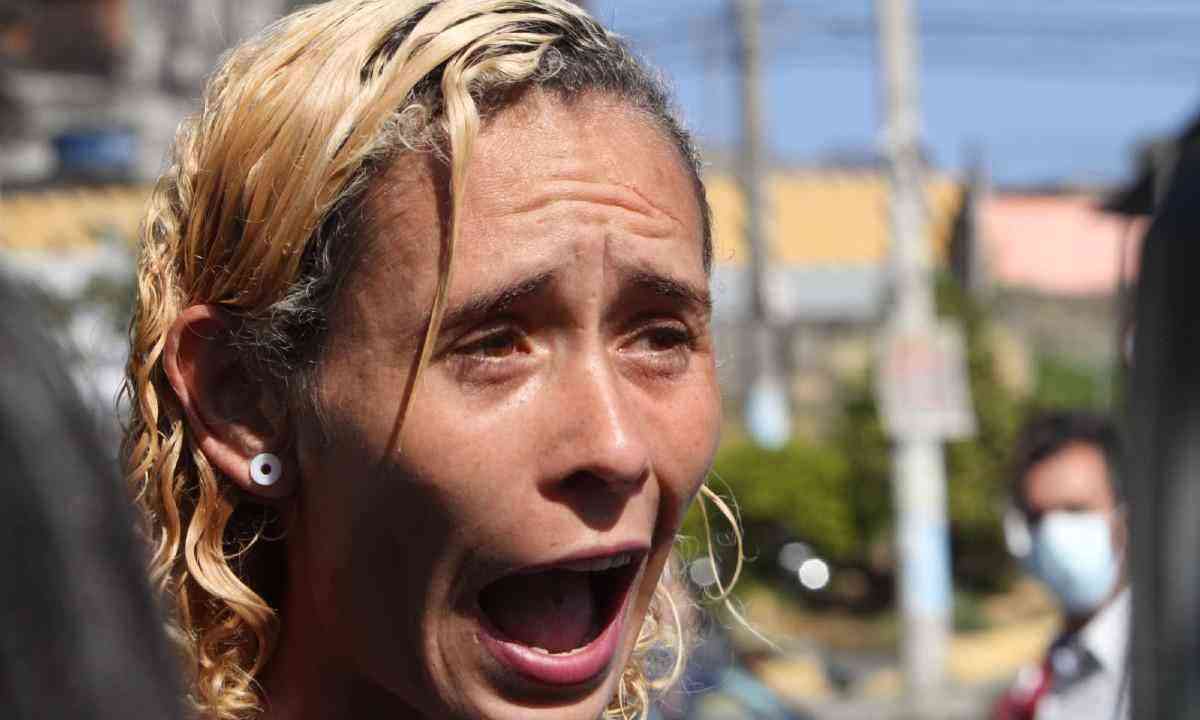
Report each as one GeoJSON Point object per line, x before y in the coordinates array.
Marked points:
{"type": "Point", "coordinates": [597, 440]}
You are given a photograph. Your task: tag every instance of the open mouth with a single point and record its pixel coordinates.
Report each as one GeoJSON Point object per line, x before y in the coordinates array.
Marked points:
{"type": "Point", "coordinates": [561, 624]}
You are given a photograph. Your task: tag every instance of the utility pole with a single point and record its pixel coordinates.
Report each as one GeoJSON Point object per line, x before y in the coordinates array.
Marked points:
{"type": "Point", "coordinates": [768, 417]}
{"type": "Point", "coordinates": [919, 474]}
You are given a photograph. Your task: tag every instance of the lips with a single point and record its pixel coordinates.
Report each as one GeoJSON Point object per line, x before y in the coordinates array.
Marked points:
{"type": "Point", "coordinates": [560, 624]}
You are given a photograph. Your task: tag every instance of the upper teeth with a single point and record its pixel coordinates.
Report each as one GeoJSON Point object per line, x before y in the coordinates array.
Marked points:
{"type": "Point", "coordinates": [606, 563]}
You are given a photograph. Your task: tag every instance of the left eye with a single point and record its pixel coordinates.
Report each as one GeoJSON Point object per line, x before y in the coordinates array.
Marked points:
{"type": "Point", "coordinates": [493, 346]}
{"type": "Point", "coordinates": [662, 348]}
{"type": "Point", "coordinates": [663, 338]}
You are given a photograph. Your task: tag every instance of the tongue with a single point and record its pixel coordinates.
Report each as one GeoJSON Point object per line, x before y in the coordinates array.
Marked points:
{"type": "Point", "coordinates": [552, 610]}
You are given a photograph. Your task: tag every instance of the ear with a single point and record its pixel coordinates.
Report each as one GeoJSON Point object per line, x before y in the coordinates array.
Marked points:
{"type": "Point", "coordinates": [232, 416]}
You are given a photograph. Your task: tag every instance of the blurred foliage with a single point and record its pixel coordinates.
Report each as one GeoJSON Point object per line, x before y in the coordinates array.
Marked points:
{"type": "Point", "coordinates": [115, 295]}
{"type": "Point", "coordinates": [801, 488]}
{"type": "Point", "coordinates": [835, 494]}
{"type": "Point", "coordinates": [1061, 383]}
{"type": "Point", "coordinates": [969, 615]}
{"type": "Point", "coordinates": [978, 469]}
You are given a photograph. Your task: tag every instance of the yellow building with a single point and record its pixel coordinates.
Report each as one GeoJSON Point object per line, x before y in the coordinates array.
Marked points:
{"type": "Point", "coordinates": [826, 217]}
{"type": "Point", "coordinates": [70, 219]}
{"type": "Point", "coordinates": [815, 217]}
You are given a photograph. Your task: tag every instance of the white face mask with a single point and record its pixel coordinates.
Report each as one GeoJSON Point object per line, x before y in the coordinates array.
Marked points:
{"type": "Point", "coordinates": [1072, 553]}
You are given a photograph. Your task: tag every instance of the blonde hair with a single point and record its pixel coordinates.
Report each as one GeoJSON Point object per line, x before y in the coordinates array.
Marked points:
{"type": "Point", "coordinates": [260, 212]}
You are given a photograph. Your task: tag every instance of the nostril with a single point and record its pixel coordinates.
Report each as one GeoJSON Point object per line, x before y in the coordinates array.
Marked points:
{"type": "Point", "coordinates": [584, 481]}
{"type": "Point", "coordinates": [591, 481]}
{"type": "Point", "coordinates": [598, 500]}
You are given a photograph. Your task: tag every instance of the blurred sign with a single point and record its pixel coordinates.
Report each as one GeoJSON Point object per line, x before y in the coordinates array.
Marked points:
{"type": "Point", "coordinates": [922, 387]}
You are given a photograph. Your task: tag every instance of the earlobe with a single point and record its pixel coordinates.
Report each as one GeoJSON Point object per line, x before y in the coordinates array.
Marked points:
{"type": "Point", "coordinates": [223, 406]}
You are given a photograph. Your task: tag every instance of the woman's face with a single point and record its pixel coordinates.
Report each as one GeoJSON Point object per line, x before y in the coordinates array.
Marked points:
{"type": "Point", "coordinates": [566, 419]}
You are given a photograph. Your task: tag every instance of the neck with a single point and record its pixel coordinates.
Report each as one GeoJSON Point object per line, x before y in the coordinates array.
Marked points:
{"type": "Point", "coordinates": [1072, 624]}
{"type": "Point", "coordinates": [1075, 623]}
{"type": "Point", "coordinates": [309, 676]}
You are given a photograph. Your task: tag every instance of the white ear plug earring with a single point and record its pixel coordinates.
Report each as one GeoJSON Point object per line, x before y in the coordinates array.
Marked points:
{"type": "Point", "coordinates": [265, 469]}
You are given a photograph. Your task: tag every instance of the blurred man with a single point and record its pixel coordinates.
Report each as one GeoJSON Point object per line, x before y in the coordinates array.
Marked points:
{"type": "Point", "coordinates": [80, 630]}
{"type": "Point", "coordinates": [1068, 528]}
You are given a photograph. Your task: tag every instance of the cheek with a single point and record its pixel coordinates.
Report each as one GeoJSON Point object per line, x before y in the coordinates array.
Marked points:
{"type": "Point", "coordinates": [374, 535]}
{"type": "Point", "coordinates": [359, 518]}
{"type": "Point", "coordinates": [689, 432]}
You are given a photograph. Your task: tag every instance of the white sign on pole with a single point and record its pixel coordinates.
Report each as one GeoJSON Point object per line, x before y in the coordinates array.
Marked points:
{"type": "Point", "coordinates": [922, 386]}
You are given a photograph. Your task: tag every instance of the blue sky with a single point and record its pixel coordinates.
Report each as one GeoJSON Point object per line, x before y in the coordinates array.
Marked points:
{"type": "Point", "coordinates": [1047, 90]}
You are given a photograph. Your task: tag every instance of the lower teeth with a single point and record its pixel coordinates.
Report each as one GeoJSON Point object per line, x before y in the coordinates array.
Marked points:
{"type": "Point", "coordinates": [595, 633]}
{"type": "Point", "coordinates": [544, 651]}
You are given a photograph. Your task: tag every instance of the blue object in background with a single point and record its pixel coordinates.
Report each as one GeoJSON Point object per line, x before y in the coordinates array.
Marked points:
{"type": "Point", "coordinates": [106, 153]}
{"type": "Point", "coordinates": [768, 416]}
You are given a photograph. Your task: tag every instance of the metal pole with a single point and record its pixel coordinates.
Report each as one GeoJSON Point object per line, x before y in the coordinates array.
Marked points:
{"type": "Point", "coordinates": [750, 156]}
{"type": "Point", "coordinates": [767, 414]}
{"type": "Point", "coordinates": [919, 479]}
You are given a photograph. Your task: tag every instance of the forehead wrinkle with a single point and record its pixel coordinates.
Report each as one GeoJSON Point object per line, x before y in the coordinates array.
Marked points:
{"type": "Point", "coordinates": [595, 111]}
{"type": "Point", "coordinates": [656, 222]}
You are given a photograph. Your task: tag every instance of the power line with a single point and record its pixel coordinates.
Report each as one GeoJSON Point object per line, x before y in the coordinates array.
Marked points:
{"type": "Point", "coordinates": [1011, 49]}
{"type": "Point", "coordinates": [801, 22]}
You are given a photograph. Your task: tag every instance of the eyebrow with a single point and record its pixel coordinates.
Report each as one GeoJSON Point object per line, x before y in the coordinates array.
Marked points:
{"type": "Point", "coordinates": [495, 302]}
{"type": "Point", "coordinates": [664, 286]}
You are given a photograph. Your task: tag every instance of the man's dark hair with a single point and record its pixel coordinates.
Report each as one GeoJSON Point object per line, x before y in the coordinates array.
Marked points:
{"type": "Point", "coordinates": [1048, 432]}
